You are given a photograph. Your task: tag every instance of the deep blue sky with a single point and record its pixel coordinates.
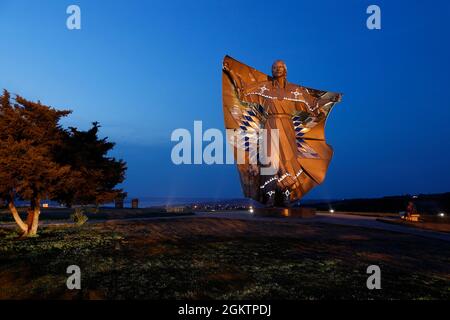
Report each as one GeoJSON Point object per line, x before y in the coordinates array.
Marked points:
{"type": "Point", "coordinates": [145, 68]}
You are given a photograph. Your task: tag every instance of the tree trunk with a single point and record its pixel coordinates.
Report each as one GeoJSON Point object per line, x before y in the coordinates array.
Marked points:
{"type": "Point", "coordinates": [33, 217]}
{"type": "Point", "coordinates": [30, 217]}
{"type": "Point", "coordinates": [22, 225]}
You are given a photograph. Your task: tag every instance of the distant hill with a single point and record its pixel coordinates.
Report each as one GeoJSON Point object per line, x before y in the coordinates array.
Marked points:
{"type": "Point", "coordinates": [425, 203]}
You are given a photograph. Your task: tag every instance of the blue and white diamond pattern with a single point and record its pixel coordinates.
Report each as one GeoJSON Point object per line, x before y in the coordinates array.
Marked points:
{"type": "Point", "coordinates": [303, 123]}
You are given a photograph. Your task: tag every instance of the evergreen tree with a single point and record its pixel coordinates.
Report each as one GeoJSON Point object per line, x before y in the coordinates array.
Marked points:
{"type": "Point", "coordinates": [41, 160]}
{"type": "Point", "coordinates": [29, 132]}
{"type": "Point", "coordinates": [94, 174]}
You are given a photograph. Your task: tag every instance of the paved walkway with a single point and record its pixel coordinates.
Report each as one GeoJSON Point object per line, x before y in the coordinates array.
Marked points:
{"type": "Point", "coordinates": [338, 219]}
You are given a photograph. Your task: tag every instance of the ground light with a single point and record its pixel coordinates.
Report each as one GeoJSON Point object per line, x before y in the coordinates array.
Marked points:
{"type": "Point", "coordinates": [331, 210]}
{"type": "Point", "coordinates": [441, 214]}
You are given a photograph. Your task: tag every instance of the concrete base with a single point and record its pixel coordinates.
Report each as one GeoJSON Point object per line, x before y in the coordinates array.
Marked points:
{"type": "Point", "coordinates": [285, 212]}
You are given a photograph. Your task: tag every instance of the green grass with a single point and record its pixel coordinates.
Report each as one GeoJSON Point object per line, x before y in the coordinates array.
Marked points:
{"type": "Point", "coordinates": [61, 214]}
{"type": "Point", "coordinates": [215, 259]}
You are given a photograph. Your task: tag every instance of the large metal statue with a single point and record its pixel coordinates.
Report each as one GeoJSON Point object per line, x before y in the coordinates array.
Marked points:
{"type": "Point", "coordinates": [253, 101]}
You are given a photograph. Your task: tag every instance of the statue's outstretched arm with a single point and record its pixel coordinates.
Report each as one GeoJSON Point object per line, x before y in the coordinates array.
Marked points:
{"type": "Point", "coordinates": [315, 101]}
{"type": "Point", "coordinates": [235, 78]}
{"type": "Point", "coordinates": [330, 97]}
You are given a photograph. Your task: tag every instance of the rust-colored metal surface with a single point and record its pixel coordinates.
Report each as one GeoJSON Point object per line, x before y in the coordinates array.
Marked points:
{"type": "Point", "coordinates": [253, 101]}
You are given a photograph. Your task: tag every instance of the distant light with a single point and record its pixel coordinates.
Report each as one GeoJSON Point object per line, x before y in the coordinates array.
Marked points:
{"type": "Point", "coordinates": [251, 210]}
{"type": "Point", "coordinates": [415, 197]}
{"type": "Point", "coordinates": [331, 211]}
{"type": "Point", "coordinates": [45, 205]}
{"type": "Point", "coordinates": [441, 214]}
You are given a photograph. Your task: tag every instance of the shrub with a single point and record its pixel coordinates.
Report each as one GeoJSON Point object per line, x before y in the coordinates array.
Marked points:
{"type": "Point", "coordinates": [79, 217]}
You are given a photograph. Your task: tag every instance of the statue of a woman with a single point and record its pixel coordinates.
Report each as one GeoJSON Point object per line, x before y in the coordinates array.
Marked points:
{"type": "Point", "coordinates": [253, 101]}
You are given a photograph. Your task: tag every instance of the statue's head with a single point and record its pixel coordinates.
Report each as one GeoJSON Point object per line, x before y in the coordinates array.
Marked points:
{"type": "Point", "coordinates": [279, 69]}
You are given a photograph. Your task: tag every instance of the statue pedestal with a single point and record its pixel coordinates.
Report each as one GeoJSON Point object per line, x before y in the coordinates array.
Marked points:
{"type": "Point", "coordinates": [285, 212]}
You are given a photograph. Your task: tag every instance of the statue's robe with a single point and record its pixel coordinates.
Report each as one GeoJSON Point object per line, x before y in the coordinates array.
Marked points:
{"type": "Point", "coordinates": [253, 101]}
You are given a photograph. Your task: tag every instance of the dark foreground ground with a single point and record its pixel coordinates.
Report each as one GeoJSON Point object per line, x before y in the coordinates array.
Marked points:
{"type": "Point", "coordinates": [64, 214]}
{"type": "Point", "coordinates": [198, 258]}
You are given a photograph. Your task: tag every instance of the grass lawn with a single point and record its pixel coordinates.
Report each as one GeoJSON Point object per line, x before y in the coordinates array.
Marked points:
{"type": "Point", "coordinates": [207, 258]}
{"type": "Point", "coordinates": [58, 214]}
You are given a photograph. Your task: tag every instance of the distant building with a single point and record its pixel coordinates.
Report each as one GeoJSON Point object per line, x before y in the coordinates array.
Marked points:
{"type": "Point", "coordinates": [179, 209]}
